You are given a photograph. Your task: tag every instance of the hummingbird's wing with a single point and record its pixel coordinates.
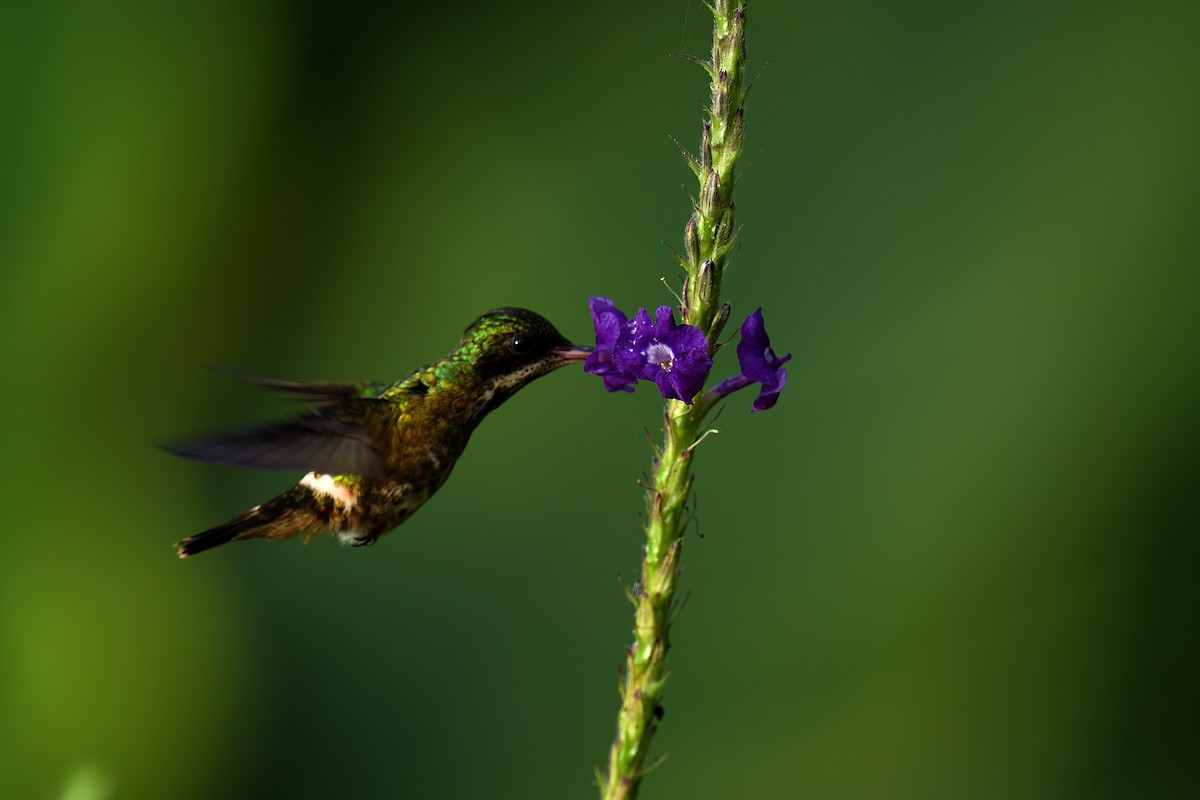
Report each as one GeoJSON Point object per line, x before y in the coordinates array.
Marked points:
{"type": "Point", "coordinates": [318, 391]}
{"type": "Point", "coordinates": [325, 440]}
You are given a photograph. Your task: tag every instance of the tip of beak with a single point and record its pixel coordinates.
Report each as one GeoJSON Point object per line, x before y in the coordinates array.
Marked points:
{"type": "Point", "coordinates": [573, 352]}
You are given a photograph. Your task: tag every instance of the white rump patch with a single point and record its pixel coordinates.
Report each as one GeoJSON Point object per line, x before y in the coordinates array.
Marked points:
{"type": "Point", "coordinates": [326, 486]}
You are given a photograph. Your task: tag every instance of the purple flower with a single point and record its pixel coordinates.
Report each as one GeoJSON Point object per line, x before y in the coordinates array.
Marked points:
{"type": "Point", "coordinates": [674, 356]}
{"type": "Point", "coordinates": [759, 362]}
{"type": "Point", "coordinates": [609, 322]}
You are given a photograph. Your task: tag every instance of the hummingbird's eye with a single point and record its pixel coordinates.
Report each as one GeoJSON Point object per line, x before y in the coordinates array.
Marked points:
{"type": "Point", "coordinates": [520, 344]}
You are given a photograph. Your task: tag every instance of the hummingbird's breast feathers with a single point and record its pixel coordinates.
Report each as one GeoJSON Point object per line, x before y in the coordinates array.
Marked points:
{"type": "Point", "coordinates": [426, 429]}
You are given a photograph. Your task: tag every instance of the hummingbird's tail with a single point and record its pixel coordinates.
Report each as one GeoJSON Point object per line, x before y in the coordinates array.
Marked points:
{"type": "Point", "coordinates": [274, 519]}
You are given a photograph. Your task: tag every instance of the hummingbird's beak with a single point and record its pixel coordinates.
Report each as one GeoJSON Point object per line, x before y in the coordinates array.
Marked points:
{"type": "Point", "coordinates": [572, 352]}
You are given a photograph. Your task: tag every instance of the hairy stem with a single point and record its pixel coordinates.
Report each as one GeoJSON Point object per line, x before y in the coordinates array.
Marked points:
{"type": "Point", "coordinates": [708, 237]}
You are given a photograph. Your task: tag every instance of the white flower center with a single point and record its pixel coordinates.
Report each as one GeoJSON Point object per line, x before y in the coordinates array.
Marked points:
{"type": "Point", "coordinates": [660, 354]}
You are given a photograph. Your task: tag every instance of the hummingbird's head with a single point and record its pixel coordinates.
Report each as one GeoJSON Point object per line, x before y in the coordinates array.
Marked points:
{"type": "Point", "coordinates": [512, 346]}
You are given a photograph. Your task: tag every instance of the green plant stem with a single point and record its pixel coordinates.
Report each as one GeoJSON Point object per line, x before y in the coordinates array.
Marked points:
{"type": "Point", "coordinates": [708, 238]}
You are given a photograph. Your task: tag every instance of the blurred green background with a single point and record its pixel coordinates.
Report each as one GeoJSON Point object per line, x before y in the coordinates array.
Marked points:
{"type": "Point", "coordinates": [957, 560]}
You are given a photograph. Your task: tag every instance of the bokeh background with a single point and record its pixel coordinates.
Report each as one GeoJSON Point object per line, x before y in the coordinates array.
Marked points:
{"type": "Point", "coordinates": [957, 560]}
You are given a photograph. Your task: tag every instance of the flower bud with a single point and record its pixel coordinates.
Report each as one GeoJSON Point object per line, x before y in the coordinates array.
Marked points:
{"type": "Point", "coordinates": [691, 241]}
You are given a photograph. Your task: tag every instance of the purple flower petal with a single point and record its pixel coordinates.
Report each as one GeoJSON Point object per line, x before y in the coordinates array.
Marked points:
{"type": "Point", "coordinates": [769, 395]}
{"type": "Point", "coordinates": [759, 363]}
{"type": "Point", "coordinates": [607, 319]}
{"type": "Point", "coordinates": [609, 322]}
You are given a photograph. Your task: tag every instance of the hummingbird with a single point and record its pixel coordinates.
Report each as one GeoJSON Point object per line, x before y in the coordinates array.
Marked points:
{"type": "Point", "coordinates": [373, 453]}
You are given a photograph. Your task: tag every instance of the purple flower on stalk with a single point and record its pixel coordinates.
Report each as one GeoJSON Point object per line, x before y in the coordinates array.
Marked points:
{"type": "Point", "coordinates": [759, 362]}
{"type": "Point", "coordinates": [674, 356]}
